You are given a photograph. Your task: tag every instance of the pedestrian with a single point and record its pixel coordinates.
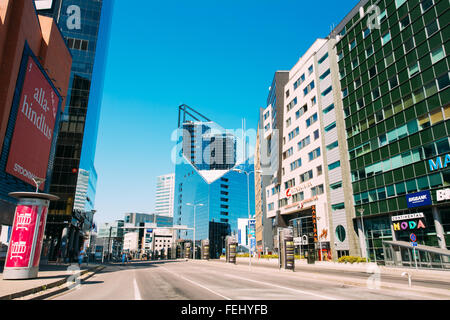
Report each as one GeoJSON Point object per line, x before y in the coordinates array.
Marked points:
{"type": "Point", "coordinates": [80, 256]}
{"type": "Point", "coordinates": [124, 256]}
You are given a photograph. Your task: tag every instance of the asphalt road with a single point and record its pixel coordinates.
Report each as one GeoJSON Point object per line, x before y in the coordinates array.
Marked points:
{"type": "Point", "coordinates": [202, 280]}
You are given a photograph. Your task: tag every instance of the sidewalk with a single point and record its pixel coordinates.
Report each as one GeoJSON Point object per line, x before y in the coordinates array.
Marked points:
{"type": "Point", "coordinates": [50, 276]}
{"type": "Point", "coordinates": [423, 274]}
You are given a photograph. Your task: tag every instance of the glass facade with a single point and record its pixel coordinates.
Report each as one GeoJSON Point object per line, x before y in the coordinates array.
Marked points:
{"type": "Point", "coordinates": [219, 194]}
{"type": "Point", "coordinates": [85, 25]}
{"type": "Point", "coordinates": [397, 113]}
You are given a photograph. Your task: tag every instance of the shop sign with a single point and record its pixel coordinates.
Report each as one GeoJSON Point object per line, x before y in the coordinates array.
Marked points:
{"type": "Point", "coordinates": [295, 190]}
{"type": "Point", "coordinates": [418, 199]}
{"type": "Point", "coordinates": [439, 164]}
{"type": "Point", "coordinates": [402, 225]}
{"type": "Point", "coordinates": [314, 221]}
{"type": "Point", "coordinates": [302, 203]}
{"type": "Point", "coordinates": [443, 194]}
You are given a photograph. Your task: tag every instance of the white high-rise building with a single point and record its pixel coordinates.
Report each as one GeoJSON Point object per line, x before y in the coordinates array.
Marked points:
{"type": "Point", "coordinates": [164, 195]}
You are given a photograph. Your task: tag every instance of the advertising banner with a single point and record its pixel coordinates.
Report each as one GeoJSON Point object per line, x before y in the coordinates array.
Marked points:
{"type": "Point", "coordinates": [21, 242]}
{"type": "Point", "coordinates": [418, 199]}
{"type": "Point", "coordinates": [33, 132]}
{"type": "Point", "coordinates": [40, 237]}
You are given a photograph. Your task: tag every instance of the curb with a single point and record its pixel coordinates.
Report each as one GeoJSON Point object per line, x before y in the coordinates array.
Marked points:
{"type": "Point", "coordinates": [45, 287]}
{"type": "Point", "coordinates": [64, 289]}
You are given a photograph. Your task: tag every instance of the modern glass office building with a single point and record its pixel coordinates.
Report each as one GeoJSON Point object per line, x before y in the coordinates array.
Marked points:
{"type": "Point", "coordinates": [218, 196]}
{"type": "Point", "coordinates": [394, 69]}
{"type": "Point", "coordinates": [85, 24]}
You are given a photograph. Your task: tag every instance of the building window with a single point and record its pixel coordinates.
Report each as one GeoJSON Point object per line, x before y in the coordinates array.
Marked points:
{"type": "Point", "coordinates": [296, 164]}
{"type": "Point", "coordinates": [325, 74]}
{"type": "Point", "coordinates": [409, 44]}
{"type": "Point", "coordinates": [404, 22]}
{"type": "Point", "coordinates": [393, 82]}
{"type": "Point", "coordinates": [314, 154]}
{"type": "Point", "coordinates": [340, 55]}
{"type": "Point", "coordinates": [316, 134]}
{"type": "Point", "coordinates": [327, 91]}
{"type": "Point", "coordinates": [344, 92]}
{"type": "Point", "coordinates": [310, 70]}
{"type": "Point", "coordinates": [330, 127]}
{"type": "Point", "coordinates": [338, 206]}
{"type": "Point", "coordinates": [306, 176]}
{"type": "Point", "coordinates": [375, 93]}
{"type": "Point", "coordinates": [304, 143]}
{"type": "Point", "coordinates": [301, 111]}
{"type": "Point", "coordinates": [352, 44]}
{"type": "Point", "coordinates": [319, 170]}
{"type": "Point", "coordinates": [340, 233]}
{"type": "Point", "coordinates": [355, 63]}
{"type": "Point", "coordinates": [443, 81]}
{"type": "Point", "coordinates": [313, 101]}
{"type": "Point", "coordinates": [366, 33]}
{"type": "Point", "coordinates": [369, 51]}
{"type": "Point", "coordinates": [373, 71]}
{"type": "Point", "coordinates": [437, 54]}
{"type": "Point", "coordinates": [318, 190]}
{"type": "Point", "coordinates": [333, 145]}
{"type": "Point", "coordinates": [357, 83]}
{"type": "Point", "coordinates": [413, 69]}
{"type": "Point", "coordinates": [321, 60]}
{"type": "Point", "coordinates": [336, 185]}
{"type": "Point", "coordinates": [288, 122]}
{"type": "Point", "coordinates": [385, 38]}
{"type": "Point", "coordinates": [426, 4]}
{"type": "Point", "coordinates": [389, 59]}
{"type": "Point", "coordinates": [360, 103]}
{"type": "Point", "coordinates": [287, 94]}
{"type": "Point", "coordinates": [334, 165]}
{"type": "Point", "coordinates": [398, 3]}
{"type": "Point", "coordinates": [382, 16]}
{"type": "Point", "coordinates": [432, 28]}
{"type": "Point", "coordinates": [311, 120]}
{"type": "Point", "coordinates": [328, 109]}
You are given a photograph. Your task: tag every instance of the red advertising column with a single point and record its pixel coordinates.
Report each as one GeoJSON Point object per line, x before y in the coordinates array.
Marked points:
{"type": "Point", "coordinates": [22, 261]}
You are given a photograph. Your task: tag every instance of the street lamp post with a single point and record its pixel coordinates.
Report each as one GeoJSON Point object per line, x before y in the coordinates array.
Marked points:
{"type": "Point", "coordinates": [247, 173]}
{"type": "Point", "coordinates": [194, 205]}
{"type": "Point", "coordinates": [361, 212]}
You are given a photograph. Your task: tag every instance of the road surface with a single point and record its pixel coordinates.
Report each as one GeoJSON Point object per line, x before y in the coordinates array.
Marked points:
{"type": "Point", "coordinates": [215, 280]}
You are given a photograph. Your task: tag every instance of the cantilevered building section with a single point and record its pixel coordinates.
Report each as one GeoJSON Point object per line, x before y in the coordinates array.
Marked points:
{"type": "Point", "coordinates": [205, 144]}
{"type": "Point", "coordinates": [206, 175]}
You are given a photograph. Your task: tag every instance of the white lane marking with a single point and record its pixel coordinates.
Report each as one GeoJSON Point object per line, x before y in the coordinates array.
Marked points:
{"type": "Point", "coordinates": [137, 294]}
{"type": "Point", "coordinates": [197, 284]}
{"type": "Point", "coordinates": [285, 288]}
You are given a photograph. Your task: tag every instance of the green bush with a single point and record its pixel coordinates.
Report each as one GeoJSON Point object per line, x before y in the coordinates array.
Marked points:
{"type": "Point", "coordinates": [351, 259]}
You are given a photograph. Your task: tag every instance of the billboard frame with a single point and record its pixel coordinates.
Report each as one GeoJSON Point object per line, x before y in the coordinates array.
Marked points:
{"type": "Point", "coordinates": [16, 183]}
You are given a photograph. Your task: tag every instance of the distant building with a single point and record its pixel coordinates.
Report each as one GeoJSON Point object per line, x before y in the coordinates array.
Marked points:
{"type": "Point", "coordinates": [218, 185]}
{"type": "Point", "coordinates": [138, 219]}
{"type": "Point", "coordinates": [165, 187]}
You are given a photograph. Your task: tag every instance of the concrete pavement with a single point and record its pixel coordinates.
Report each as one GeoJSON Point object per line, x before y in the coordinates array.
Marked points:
{"type": "Point", "coordinates": [50, 276]}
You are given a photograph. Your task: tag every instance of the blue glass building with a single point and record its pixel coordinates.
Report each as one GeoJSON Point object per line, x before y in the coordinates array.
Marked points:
{"type": "Point", "coordinates": [85, 24]}
{"type": "Point", "coordinates": [219, 193]}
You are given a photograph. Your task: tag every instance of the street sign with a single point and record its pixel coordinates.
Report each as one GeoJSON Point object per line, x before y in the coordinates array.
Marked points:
{"type": "Point", "coordinates": [414, 244]}
{"type": "Point", "coordinates": [413, 237]}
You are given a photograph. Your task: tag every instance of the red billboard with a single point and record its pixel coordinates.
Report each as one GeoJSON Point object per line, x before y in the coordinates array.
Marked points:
{"type": "Point", "coordinates": [21, 243]}
{"type": "Point", "coordinates": [33, 132]}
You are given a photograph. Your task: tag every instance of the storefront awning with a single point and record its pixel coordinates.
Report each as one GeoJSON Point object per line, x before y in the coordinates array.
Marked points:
{"type": "Point", "coordinates": [420, 247]}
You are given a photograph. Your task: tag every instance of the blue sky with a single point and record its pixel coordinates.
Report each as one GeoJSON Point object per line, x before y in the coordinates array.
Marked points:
{"type": "Point", "coordinates": [218, 57]}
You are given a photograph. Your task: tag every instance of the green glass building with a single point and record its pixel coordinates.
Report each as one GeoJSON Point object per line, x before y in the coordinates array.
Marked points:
{"type": "Point", "coordinates": [394, 75]}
